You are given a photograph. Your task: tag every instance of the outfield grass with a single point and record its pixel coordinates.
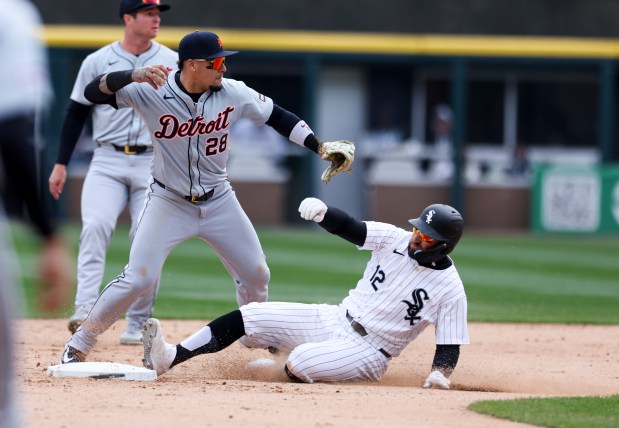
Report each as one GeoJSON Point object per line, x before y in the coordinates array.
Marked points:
{"type": "Point", "coordinates": [508, 278]}
{"type": "Point", "coordinates": [566, 279]}
{"type": "Point", "coordinates": [306, 266]}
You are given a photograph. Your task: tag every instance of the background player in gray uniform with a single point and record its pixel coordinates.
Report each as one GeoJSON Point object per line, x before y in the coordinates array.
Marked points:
{"type": "Point", "coordinates": [24, 85]}
{"type": "Point", "coordinates": [120, 168]}
{"type": "Point", "coordinates": [409, 283]}
{"type": "Point", "coordinates": [189, 113]}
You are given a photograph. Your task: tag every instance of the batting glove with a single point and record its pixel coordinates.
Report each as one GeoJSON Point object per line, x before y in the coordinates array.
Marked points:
{"type": "Point", "coordinates": [437, 380]}
{"type": "Point", "coordinates": [313, 209]}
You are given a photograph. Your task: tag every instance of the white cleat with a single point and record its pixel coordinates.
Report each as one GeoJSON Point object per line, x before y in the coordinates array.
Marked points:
{"type": "Point", "coordinates": [131, 337]}
{"type": "Point", "coordinates": [158, 355]}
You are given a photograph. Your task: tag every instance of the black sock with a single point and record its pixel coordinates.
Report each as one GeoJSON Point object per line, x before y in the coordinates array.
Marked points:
{"type": "Point", "coordinates": [226, 330]}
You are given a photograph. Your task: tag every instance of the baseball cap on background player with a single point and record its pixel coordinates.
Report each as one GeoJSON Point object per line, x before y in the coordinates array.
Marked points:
{"type": "Point", "coordinates": [130, 6]}
{"type": "Point", "coordinates": [441, 222]}
{"type": "Point", "coordinates": [202, 45]}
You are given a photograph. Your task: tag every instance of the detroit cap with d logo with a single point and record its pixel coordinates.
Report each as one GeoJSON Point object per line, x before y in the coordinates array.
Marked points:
{"type": "Point", "coordinates": [130, 6]}
{"type": "Point", "coordinates": [202, 45]}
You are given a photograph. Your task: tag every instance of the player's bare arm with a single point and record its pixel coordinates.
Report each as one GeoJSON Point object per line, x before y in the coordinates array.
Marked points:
{"type": "Point", "coordinates": [57, 179]}
{"type": "Point", "coordinates": [154, 75]}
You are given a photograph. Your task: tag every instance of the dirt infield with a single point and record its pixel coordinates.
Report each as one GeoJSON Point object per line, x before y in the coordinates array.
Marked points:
{"type": "Point", "coordinates": [505, 361]}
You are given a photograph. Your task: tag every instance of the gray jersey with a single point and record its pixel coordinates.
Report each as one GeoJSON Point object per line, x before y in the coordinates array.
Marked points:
{"type": "Point", "coordinates": [191, 146]}
{"type": "Point", "coordinates": [120, 127]}
{"type": "Point", "coordinates": [397, 298]}
{"type": "Point", "coordinates": [192, 140]}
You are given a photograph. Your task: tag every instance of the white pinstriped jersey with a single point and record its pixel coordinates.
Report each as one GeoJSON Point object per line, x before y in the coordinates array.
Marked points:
{"type": "Point", "coordinates": [192, 139]}
{"type": "Point", "coordinates": [120, 127]}
{"type": "Point", "coordinates": [397, 298]}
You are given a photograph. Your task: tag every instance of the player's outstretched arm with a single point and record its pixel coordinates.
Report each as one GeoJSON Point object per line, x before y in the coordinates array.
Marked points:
{"type": "Point", "coordinates": [102, 88]}
{"type": "Point", "coordinates": [334, 220]}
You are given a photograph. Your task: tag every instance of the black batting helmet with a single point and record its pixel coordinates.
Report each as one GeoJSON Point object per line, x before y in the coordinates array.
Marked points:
{"type": "Point", "coordinates": [441, 222]}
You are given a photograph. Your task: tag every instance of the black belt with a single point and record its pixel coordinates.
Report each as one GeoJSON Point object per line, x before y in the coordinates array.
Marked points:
{"type": "Point", "coordinates": [361, 331]}
{"type": "Point", "coordinates": [132, 150]}
{"type": "Point", "coordinates": [202, 198]}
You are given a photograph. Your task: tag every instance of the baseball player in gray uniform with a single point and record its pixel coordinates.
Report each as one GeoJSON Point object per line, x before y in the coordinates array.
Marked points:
{"type": "Point", "coordinates": [409, 283]}
{"type": "Point", "coordinates": [119, 172]}
{"type": "Point", "coordinates": [189, 113]}
{"type": "Point", "coordinates": [24, 85]}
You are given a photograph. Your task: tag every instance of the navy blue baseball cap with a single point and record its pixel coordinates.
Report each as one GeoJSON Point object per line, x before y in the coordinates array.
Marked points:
{"type": "Point", "coordinates": [130, 6]}
{"type": "Point", "coordinates": [202, 45]}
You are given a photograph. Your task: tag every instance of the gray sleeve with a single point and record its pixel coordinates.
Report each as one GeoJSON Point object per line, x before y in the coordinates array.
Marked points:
{"type": "Point", "coordinates": [87, 72]}
{"type": "Point", "coordinates": [254, 105]}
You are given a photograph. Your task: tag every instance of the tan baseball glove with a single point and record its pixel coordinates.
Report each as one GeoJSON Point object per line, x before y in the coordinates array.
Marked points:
{"type": "Point", "coordinates": [341, 154]}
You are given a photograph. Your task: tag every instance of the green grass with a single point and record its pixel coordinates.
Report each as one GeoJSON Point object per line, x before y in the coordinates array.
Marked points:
{"type": "Point", "coordinates": [306, 266]}
{"type": "Point", "coordinates": [508, 278]}
{"type": "Point", "coordinates": [556, 412]}
{"type": "Point", "coordinates": [559, 279]}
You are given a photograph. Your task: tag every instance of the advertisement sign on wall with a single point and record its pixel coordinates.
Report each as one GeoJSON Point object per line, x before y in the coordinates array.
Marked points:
{"type": "Point", "coordinates": [576, 199]}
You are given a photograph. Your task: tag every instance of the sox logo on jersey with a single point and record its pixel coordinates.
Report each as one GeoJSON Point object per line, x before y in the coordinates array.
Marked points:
{"type": "Point", "coordinates": [417, 305]}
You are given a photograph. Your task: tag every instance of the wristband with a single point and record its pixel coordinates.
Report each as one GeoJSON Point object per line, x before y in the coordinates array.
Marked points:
{"type": "Point", "coordinates": [300, 131]}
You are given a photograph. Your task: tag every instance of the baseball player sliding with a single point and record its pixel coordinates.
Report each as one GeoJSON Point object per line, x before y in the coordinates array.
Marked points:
{"type": "Point", "coordinates": [188, 113]}
{"type": "Point", "coordinates": [409, 283]}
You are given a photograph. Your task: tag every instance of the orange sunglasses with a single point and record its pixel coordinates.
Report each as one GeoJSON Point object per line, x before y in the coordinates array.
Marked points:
{"type": "Point", "coordinates": [216, 63]}
{"type": "Point", "coordinates": [423, 235]}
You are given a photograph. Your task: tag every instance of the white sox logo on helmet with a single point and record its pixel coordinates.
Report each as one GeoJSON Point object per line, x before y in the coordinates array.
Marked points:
{"type": "Point", "coordinates": [429, 216]}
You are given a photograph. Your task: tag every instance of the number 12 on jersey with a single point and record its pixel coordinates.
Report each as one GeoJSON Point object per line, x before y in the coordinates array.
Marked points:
{"type": "Point", "coordinates": [377, 278]}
